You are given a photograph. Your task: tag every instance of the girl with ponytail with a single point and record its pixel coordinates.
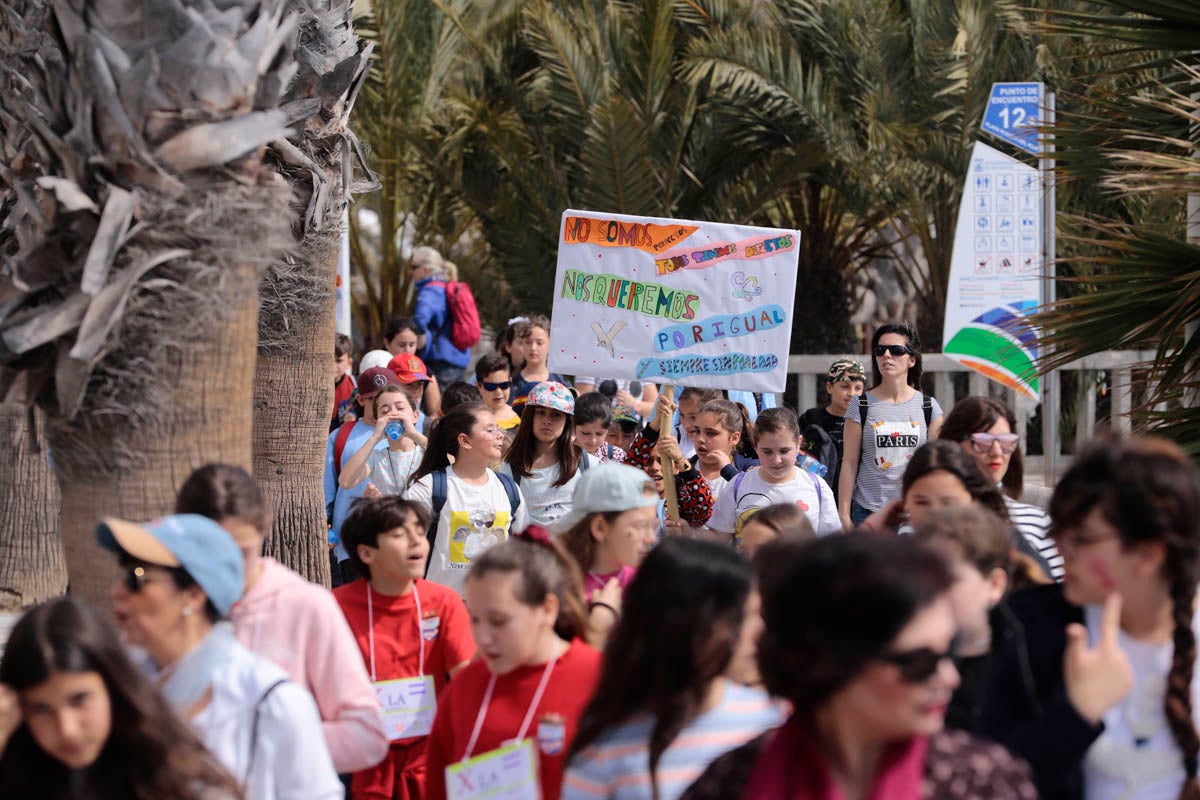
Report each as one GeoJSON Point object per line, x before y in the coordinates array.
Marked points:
{"type": "Point", "coordinates": [1099, 693]}
{"type": "Point", "coordinates": [471, 507]}
{"type": "Point", "coordinates": [534, 673]}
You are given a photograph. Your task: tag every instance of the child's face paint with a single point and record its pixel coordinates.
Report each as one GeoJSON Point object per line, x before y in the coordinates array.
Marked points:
{"type": "Point", "coordinates": [1095, 563]}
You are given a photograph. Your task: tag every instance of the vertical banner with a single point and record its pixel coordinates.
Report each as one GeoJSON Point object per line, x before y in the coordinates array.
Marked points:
{"type": "Point", "coordinates": [674, 301]}
{"type": "Point", "coordinates": [995, 271]}
{"type": "Point", "coordinates": [341, 318]}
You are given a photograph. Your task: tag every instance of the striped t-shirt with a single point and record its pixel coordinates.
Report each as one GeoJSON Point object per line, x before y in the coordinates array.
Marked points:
{"type": "Point", "coordinates": [894, 431]}
{"type": "Point", "coordinates": [1034, 524]}
{"type": "Point", "coordinates": [617, 765]}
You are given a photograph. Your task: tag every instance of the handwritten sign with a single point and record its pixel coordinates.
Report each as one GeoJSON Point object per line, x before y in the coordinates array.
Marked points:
{"type": "Point", "coordinates": [409, 706]}
{"type": "Point", "coordinates": [507, 773]}
{"type": "Point", "coordinates": [678, 301]}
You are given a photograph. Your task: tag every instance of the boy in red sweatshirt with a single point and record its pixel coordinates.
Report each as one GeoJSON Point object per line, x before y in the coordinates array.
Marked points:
{"type": "Point", "coordinates": [413, 635]}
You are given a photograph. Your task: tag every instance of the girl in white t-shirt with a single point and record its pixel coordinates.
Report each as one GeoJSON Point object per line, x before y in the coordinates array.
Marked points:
{"type": "Point", "coordinates": [478, 508]}
{"type": "Point", "coordinates": [777, 480]}
{"type": "Point", "coordinates": [544, 458]}
{"type": "Point", "coordinates": [388, 469]}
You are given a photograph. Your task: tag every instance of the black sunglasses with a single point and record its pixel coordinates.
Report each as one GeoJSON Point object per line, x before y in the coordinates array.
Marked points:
{"type": "Point", "coordinates": [918, 666]}
{"type": "Point", "coordinates": [491, 387]}
{"type": "Point", "coordinates": [896, 350]}
{"type": "Point", "coordinates": [135, 578]}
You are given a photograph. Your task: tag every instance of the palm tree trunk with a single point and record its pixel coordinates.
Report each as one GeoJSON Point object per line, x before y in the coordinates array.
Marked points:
{"type": "Point", "coordinates": [208, 419]}
{"type": "Point", "coordinates": [293, 399]}
{"type": "Point", "coordinates": [32, 568]}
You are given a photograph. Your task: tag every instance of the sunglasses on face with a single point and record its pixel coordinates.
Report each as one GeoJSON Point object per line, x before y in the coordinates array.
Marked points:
{"type": "Point", "coordinates": [918, 666]}
{"type": "Point", "coordinates": [895, 350]}
{"type": "Point", "coordinates": [491, 387]}
{"type": "Point", "coordinates": [135, 577]}
{"type": "Point", "coordinates": [982, 442]}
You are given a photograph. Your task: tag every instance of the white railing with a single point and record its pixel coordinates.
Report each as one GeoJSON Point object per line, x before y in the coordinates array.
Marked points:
{"type": "Point", "coordinates": [1121, 367]}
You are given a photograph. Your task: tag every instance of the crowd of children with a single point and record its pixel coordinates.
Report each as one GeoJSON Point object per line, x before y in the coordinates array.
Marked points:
{"type": "Point", "coordinates": [603, 591]}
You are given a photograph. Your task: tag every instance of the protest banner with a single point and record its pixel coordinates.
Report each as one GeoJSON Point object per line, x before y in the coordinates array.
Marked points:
{"type": "Point", "coordinates": [674, 301]}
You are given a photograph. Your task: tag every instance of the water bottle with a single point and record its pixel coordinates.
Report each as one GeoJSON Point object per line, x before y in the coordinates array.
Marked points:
{"type": "Point", "coordinates": [394, 430]}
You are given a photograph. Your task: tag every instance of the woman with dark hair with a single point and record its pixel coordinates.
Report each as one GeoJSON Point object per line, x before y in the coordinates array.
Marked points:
{"type": "Point", "coordinates": [1100, 692]}
{"type": "Point", "coordinates": [860, 637]}
{"type": "Point", "coordinates": [290, 621]}
{"type": "Point", "coordinates": [883, 430]}
{"type": "Point", "coordinates": [180, 577]}
{"type": "Point", "coordinates": [522, 697]}
{"type": "Point", "coordinates": [78, 720]}
{"type": "Point", "coordinates": [663, 710]}
{"type": "Point", "coordinates": [986, 430]}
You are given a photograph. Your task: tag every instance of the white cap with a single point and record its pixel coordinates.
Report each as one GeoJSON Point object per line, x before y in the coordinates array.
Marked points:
{"type": "Point", "coordinates": [375, 358]}
{"type": "Point", "coordinates": [606, 488]}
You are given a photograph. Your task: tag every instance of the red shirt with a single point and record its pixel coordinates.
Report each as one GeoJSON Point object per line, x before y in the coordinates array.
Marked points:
{"type": "Point", "coordinates": [555, 721]}
{"type": "Point", "coordinates": [448, 641]}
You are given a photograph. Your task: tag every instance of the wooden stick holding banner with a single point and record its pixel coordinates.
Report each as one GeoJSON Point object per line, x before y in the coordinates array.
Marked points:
{"type": "Point", "coordinates": [668, 466]}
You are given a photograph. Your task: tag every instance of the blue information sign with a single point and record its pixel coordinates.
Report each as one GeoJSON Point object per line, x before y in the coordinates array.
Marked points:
{"type": "Point", "coordinates": [1013, 113]}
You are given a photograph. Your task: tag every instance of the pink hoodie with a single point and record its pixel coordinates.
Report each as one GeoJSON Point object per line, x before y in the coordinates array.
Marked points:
{"type": "Point", "coordinates": [298, 625]}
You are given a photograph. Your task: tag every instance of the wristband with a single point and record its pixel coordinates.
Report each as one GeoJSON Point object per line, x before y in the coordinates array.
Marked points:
{"type": "Point", "coordinates": [616, 614]}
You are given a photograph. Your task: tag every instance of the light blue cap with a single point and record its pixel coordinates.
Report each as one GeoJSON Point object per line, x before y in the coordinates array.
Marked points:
{"type": "Point", "coordinates": [200, 546]}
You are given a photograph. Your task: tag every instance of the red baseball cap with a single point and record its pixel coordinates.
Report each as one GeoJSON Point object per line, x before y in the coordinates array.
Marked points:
{"type": "Point", "coordinates": [408, 368]}
{"type": "Point", "coordinates": [371, 381]}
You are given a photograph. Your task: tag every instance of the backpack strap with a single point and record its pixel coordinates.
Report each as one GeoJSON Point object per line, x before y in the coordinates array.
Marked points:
{"type": "Point", "coordinates": [816, 482]}
{"type": "Point", "coordinates": [927, 407]}
{"type": "Point", "coordinates": [339, 446]}
{"type": "Point", "coordinates": [863, 405]}
{"type": "Point", "coordinates": [437, 501]}
{"type": "Point", "coordinates": [514, 494]}
{"type": "Point", "coordinates": [254, 729]}
{"type": "Point", "coordinates": [584, 462]}
{"type": "Point", "coordinates": [737, 482]}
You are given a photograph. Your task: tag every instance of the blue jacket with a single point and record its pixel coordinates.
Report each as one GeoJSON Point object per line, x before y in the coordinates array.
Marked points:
{"type": "Point", "coordinates": [431, 316]}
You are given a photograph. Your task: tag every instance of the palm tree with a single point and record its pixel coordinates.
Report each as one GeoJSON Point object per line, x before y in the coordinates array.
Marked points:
{"type": "Point", "coordinates": [137, 216]}
{"type": "Point", "coordinates": [1136, 280]}
{"type": "Point", "coordinates": [416, 64]}
{"type": "Point", "coordinates": [582, 105]}
{"type": "Point", "coordinates": [293, 389]}
{"type": "Point", "coordinates": [32, 567]}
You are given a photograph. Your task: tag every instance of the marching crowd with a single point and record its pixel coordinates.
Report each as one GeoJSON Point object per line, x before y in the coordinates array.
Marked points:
{"type": "Point", "coordinates": [601, 590]}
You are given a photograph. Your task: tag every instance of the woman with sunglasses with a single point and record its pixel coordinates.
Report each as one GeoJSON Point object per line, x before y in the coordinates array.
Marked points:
{"type": "Point", "coordinates": [985, 429]}
{"type": "Point", "coordinates": [1100, 693]}
{"type": "Point", "coordinates": [887, 425]}
{"type": "Point", "coordinates": [181, 576]}
{"type": "Point", "coordinates": [861, 638]}
{"type": "Point", "coordinates": [77, 719]}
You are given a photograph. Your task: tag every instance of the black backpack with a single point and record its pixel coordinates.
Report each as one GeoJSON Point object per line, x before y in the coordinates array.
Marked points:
{"type": "Point", "coordinates": [817, 443]}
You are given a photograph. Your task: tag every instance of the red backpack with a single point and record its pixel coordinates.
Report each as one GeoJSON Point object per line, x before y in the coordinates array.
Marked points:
{"type": "Point", "coordinates": [464, 316]}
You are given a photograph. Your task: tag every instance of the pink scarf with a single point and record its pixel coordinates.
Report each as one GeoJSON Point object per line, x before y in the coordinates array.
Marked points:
{"type": "Point", "coordinates": [792, 767]}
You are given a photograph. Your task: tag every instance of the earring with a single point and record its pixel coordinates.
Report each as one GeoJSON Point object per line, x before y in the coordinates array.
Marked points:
{"type": "Point", "coordinates": [187, 611]}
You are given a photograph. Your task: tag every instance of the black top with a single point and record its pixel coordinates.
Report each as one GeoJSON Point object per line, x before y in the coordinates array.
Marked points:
{"type": "Point", "coordinates": [1025, 705]}
{"type": "Point", "coordinates": [834, 426]}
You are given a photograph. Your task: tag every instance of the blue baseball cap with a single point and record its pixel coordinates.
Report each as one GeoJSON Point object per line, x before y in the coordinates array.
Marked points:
{"type": "Point", "coordinates": [194, 543]}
